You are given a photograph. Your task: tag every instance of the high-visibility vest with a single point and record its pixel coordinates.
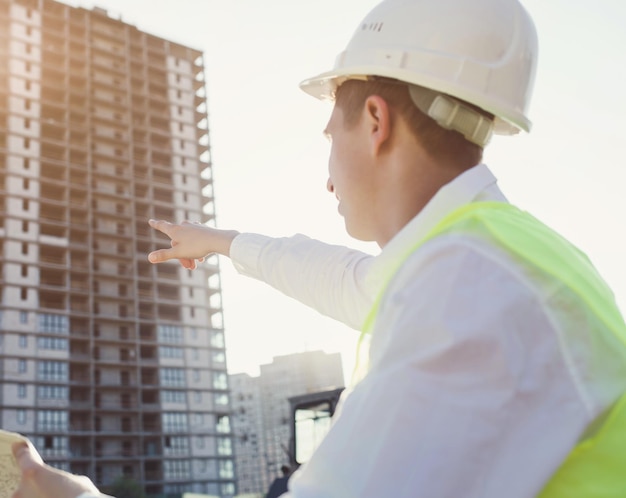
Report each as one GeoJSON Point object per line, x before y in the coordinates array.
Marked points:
{"type": "Point", "coordinates": [596, 467]}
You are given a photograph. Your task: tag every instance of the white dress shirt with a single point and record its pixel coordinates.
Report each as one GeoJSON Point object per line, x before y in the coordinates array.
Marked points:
{"type": "Point", "coordinates": [473, 391]}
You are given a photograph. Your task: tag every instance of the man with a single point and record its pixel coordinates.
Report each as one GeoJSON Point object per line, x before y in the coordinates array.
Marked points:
{"type": "Point", "coordinates": [279, 485]}
{"type": "Point", "coordinates": [492, 357]}
{"type": "Point", "coordinates": [490, 348]}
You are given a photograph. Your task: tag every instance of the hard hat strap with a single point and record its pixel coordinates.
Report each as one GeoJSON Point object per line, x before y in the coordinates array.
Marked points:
{"type": "Point", "coordinates": [453, 114]}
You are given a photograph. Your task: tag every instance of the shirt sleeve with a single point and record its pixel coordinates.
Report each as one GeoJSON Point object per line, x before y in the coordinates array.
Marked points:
{"type": "Point", "coordinates": [328, 278]}
{"type": "Point", "coordinates": [467, 394]}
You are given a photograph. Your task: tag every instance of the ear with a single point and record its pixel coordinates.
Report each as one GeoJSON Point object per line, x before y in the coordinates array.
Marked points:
{"type": "Point", "coordinates": [377, 116]}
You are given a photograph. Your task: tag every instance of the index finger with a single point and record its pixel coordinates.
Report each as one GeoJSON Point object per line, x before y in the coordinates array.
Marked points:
{"type": "Point", "coordinates": [161, 225]}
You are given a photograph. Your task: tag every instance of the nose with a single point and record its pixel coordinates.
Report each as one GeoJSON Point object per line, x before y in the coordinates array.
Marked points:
{"type": "Point", "coordinates": [329, 186]}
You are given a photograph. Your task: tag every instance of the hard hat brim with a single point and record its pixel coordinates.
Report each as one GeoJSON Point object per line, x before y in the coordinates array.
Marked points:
{"type": "Point", "coordinates": [324, 85]}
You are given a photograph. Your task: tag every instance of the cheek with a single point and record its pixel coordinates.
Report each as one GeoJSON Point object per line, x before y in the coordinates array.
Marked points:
{"type": "Point", "coordinates": [333, 163]}
{"type": "Point", "coordinates": [345, 163]}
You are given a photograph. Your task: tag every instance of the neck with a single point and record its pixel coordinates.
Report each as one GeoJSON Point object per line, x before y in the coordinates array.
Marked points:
{"type": "Point", "coordinates": [412, 179]}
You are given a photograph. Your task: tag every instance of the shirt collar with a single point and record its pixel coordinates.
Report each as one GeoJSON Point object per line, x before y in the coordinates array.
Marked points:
{"type": "Point", "coordinates": [475, 184]}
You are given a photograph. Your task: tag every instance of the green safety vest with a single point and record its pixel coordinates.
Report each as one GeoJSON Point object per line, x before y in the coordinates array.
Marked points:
{"type": "Point", "coordinates": [596, 467]}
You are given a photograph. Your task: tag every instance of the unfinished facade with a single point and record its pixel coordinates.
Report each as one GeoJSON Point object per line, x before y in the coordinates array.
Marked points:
{"type": "Point", "coordinates": [112, 366]}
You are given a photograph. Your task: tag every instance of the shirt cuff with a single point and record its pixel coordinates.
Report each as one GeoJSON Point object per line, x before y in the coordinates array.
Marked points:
{"type": "Point", "coordinates": [244, 253]}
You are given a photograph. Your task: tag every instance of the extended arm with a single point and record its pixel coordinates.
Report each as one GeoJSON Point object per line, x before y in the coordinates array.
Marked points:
{"type": "Point", "coordinates": [329, 278]}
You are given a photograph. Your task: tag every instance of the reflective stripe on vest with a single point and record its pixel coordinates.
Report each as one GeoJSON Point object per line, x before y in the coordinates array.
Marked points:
{"type": "Point", "coordinates": [596, 467]}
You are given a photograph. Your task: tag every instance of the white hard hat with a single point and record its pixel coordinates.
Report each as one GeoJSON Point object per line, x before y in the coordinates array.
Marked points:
{"type": "Point", "coordinates": [483, 52]}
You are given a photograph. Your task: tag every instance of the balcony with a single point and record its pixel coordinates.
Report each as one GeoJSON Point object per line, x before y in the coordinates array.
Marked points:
{"type": "Point", "coordinates": [108, 29]}
{"type": "Point", "coordinates": [79, 304]}
{"type": "Point", "coordinates": [53, 152]}
{"type": "Point", "coordinates": [53, 132]}
{"type": "Point", "coordinates": [52, 300]}
{"type": "Point", "coordinates": [80, 425]}
{"type": "Point", "coordinates": [51, 278]}
{"type": "Point", "coordinates": [53, 197]}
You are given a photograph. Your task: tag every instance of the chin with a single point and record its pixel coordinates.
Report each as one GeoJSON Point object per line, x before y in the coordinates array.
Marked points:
{"type": "Point", "coordinates": [358, 234]}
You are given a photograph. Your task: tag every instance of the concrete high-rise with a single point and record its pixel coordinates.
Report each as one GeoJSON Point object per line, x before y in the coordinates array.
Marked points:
{"type": "Point", "coordinates": [248, 431]}
{"type": "Point", "coordinates": [111, 365]}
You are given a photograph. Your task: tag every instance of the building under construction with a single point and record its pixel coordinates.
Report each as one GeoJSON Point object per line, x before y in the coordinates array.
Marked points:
{"type": "Point", "coordinates": [110, 365]}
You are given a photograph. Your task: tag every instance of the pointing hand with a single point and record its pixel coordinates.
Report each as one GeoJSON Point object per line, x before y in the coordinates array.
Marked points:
{"type": "Point", "coordinates": [190, 242]}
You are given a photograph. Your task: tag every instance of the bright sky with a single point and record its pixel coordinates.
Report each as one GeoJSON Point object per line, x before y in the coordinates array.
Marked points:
{"type": "Point", "coordinates": [270, 158]}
